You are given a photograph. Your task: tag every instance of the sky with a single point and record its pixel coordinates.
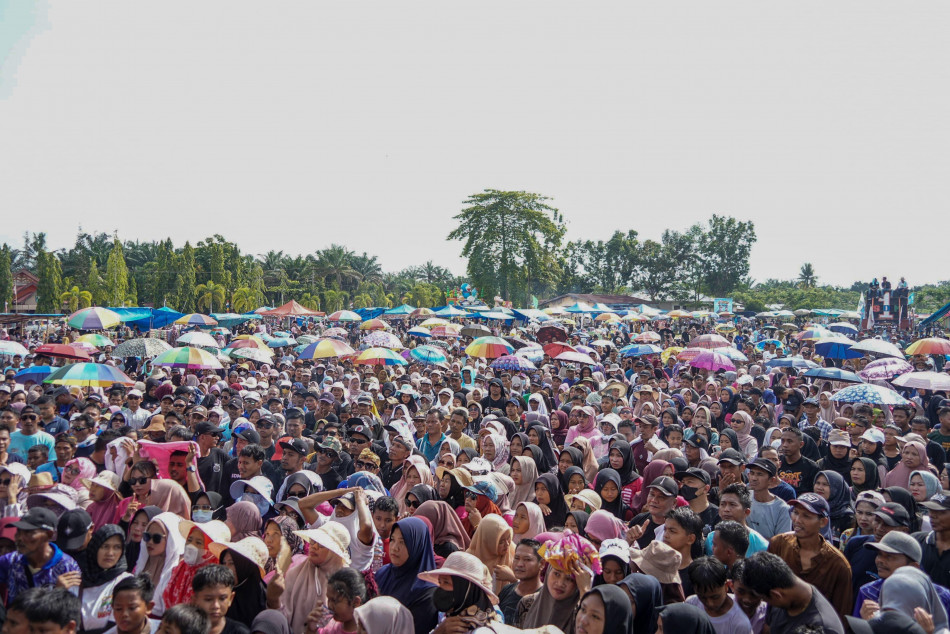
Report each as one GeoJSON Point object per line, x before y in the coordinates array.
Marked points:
{"type": "Point", "coordinates": [369, 123]}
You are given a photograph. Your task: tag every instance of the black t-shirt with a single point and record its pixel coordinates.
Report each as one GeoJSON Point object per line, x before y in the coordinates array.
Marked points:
{"type": "Point", "coordinates": [508, 600]}
{"type": "Point", "coordinates": [211, 467]}
{"type": "Point", "coordinates": [233, 627]}
{"type": "Point", "coordinates": [650, 533]}
{"type": "Point", "coordinates": [686, 582]}
{"type": "Point", "coordinates": [799, 475]}
{"type": "Point", "coordinates": [935, 563]}
{"type": "Point", "coordinates": [819, 612]}
{"type": "Point", "coordinates": [710, 518]}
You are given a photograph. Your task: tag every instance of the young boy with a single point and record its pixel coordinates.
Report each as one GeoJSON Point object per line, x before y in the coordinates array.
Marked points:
{"type": "Point", "coordinates": [710, 581]}
{"type": "Point", "coordinates": [131, 605]}
{"type": "Point", "coordinates": [184, 618]}
{"type": "Point", "coordinates": [17, 621]}
{"type": "Point", "coordinates": [735, 505]}
{"type": "Point", "coordinates": [346, 591]}
{"type": "Point", "coordinates": [385, 511]}
{"type": "Point", "coordinates": [213, 591]}
{"type": "Point", "coordinates": [54, 611]}
{"type": "Point", "coordinates": [770, 514]}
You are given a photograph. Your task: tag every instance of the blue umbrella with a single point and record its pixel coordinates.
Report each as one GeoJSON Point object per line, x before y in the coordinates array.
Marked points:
{"type": "Point", "coordinates": [834, 374]}
{"type": "Point", "coordinates": [512, 363]}
{"type": "Point", "coordinates": [869, 394]}
{"type": "Point", "coordinates": [844, 328]}
{"type": "Point", "coordinates": [791, 362]}
{"type": "Point", "coordinates": [428, 354]}
{"type": "Point", "coordinates": [836, 348]}
{"type": "Point", "coordinates": [34, 373]}
{"type": "Point", "coordinates": [761, 345]}
{"type": "Point", "coordinates": [281, 342]}
{"type": "Point", "coordinates": [639, 349]}
{"type": "Point", "coordinates": [419, 331]}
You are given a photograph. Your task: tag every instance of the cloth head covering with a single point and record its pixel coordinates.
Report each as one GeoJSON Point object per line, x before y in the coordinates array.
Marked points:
{"type": "Point", "coordinates": [827, 413]}
{"type": "Point", "coordinates": [538, 400]}
{"type": "Point", "coordinates": [535, 522]}
{"type": "Point", "coordinates": [529, 473]}
{"type": "Point", "coordinates": [872, 476]}
{"type": "Point", "coordinates": [580, 518]}
{"type": "Point", "coordinates": [683, 617]}
{"type": "Point", "coordinates": [288, 527]}
{"type": "Point", "coordinates": [627, 471]}
{"type": "Point", "coordinates": [424, 493]}
{"type": "Point", "coordinates": [245, 520]}
{"type": "Point", "coordinates": [87, 470]}
{"type": "Point", "coordinates": [485, 542]}
{"type": "Point", "coordinates": [92, 574]}
{"type": "Point", "coordinates": [402, 582]}
{"type": "Point", "coordinates": [653, 471]}
{"type": "Point", "coordinates": [310, 481]}
{"type": "Point", "coordinates": [908, 588]}
{"type": "Point", "coordinates": [744, 435]}
{"type": "Point", "coordinates": [558, 504]}
{"type": "Point", "coordinates": [541, 462]}
{"type": "Point", "coordinates": [903, 497]}
{"type": "Point", "coordinates": [544, 442]}
{"type": "Point", "coordinates": [382, 615]}
{"type": "Point", "coordinates": [250, 593]}
{"type": "Point", "coordinates": [570, 473]}
{"type": "Point", "coordinates": [733, 437]}
{"type": "Point", "coordinates": [899, 476]}
{"type": "Point", "coordinates": [577, 459]}
{"type": "Point", "coordinates": [446, 525]}
{"type": "Point", "coordinates": [525, 441]}
{"type": "Point", "coordinates": [169, 496]}
{"type": "Point", "coordinates": [501, 450]}
{"type": "Point", "coordinates": [589, 461]}
{"type": "Point", "coordinates": [616, 508]}
{"type": "Point", "coordinates": [647, 596]}
{"type": "Point", "coordinates": [174, 547]}
{"type": "Point", "coordinates": [307, 584]}
{"type": "Point", "coordinates": [931, 481]}
{"type": "Point", "coordinates": [839, 500]}
{"type": "Point", "coordinates": [617, 609]}
{"type": "Point", "coordinates": [603, 526]}
{"type": "Point", "coordinates": [270, 622]}
{"type": "Point", "coordinates": [561, 553]}
{"type": "Point", "coordinates": [402, 487]}
{"type": "Point", "coordinates": [588, 421]}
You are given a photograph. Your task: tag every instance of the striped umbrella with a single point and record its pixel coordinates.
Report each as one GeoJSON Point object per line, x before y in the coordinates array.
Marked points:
{"type": "Point", "coordinates": [435, 321]}
{"type": "Point", "coordinates": [814, 333]}
{"type": "Point", "coordinates": [88, 375]}
{"type": "Point", "coordinates": [189, 358]}
{"type": "Point", "coordinates": [94, 318]}
{"type": "Point", "coordinates": [260, 355]}
{"type": "Point", "coordinates": [95, 339]}
{"type": "Point", "coordinates": [374, 324]}
{"type": "Point", "coordinates": [930, 345]}
{"type": "Point", "coordinates": [142, 347]}
{"type": "Point", "coordinates": [258, 341]}
{"type": "Point", "coordinates": [379, 356]}
{"type": "Point", "coordinates": [712, 360]}
{"type": "Point", "coordinates": [326, 349]}
{"type": "Point", "coordinates": [196, 319]}
{"type": "Point", "coordinates": [420, 331]}
{"type": "Point", "coordinates": [344, 315]}
{"type": "Point", "coordinates": [647, 336]}
{"type": "Point", "coordinates": [428, 355]}
{"type": "Point", "coordinates": [451, 330]}
{"type": "Point", "coordinates": [421, 312]}
{"type": "Point", "coordinates": [489, 348]}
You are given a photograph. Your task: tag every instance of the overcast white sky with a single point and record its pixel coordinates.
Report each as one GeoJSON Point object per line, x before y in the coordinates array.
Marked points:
{"type": "Point", "coordinates": [295, 124]}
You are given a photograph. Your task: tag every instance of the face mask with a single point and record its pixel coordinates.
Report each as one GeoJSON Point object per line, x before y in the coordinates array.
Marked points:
{"type": "Point", "coordinates": [443, 600]}
{"type": "Point", "coordinates": [688, 493]}
{"type": "Point", "coordinates": [192, 555]}
{"type": "Point", "coordinates": [200, 517]}
{"type": "Point", "coordinates": [257, 500]}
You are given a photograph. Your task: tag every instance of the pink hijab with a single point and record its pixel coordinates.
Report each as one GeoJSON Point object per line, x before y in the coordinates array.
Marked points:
{"type": "Point", "coordinates": [899, 476]}
{"type": "Point", "coordinates": [87, 470]}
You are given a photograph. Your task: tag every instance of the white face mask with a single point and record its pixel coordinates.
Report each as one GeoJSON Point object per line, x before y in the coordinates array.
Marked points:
{"type": "Point", "coordinates": [257, 500]}
{"type": "Point", "coordinates": [192, 555]}
{"type": "Point", "coordinates": [200, 517]}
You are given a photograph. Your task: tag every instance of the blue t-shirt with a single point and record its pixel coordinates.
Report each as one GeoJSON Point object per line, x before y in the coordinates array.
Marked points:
{"type": "Point", "coordinates": [20, 443]}
{"type": "Point", "coordinates": [757, 543]}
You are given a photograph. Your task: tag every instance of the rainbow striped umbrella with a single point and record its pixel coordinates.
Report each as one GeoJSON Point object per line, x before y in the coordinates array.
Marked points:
{"type": "Point", "coordinates": [95, 339]}
{"type": "Point", "coordinates": [94, 318]}
{"type": "Point", "coordinates": [326, 349]}
{"type": "Point", "coordinates": [88, 375]}
{"type": "Point", "coordinates": [930, 345]}
{"type": "Point", "coordinates": [374, 324]}
{"type": "Point", "coordinates": [489, 348]}
{"type": "Point", "coordinates": [379, 356]}
{"type": "Point", "coordinates": [344, 315]}
{"type": "Point", "coordinates": [196, 319]}
{"type": "Point", "coordinates": [815, 333]}
{"type": "Point", "coordinates": [188, 357]}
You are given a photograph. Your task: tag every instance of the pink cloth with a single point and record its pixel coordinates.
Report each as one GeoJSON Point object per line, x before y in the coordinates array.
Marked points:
{"type": "Point", "coordinates": [160, 452]}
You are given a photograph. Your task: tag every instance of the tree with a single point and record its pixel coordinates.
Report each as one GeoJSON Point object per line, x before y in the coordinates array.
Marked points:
{"type": "Point", "coordinates": [334, 300]}
{"type": "Point", "coordinates": [503, 232]}
{"type": "Point", "coordinates": [117, 276]}
{"type": "Point", "coordinates": [185, 285]}
{"type": "Point", "coordinates": [210, 296]}
{"type": "Point", "coordinates": [723, 250]}
{"type": "Point", "coordinates": [74, 299]}
{"type": "Point", "coordinates": [310, 301]}
{"type": "Point", "coordinates": [49, 288]}
{"type": "Point", "coordinates": [6, 278]}
{"type": "Point", "coordinates": [334, 264]}
{"type": "Point", "coordinates": [242, 300]}
{"type": "Point", "coordinates": [806, 276]}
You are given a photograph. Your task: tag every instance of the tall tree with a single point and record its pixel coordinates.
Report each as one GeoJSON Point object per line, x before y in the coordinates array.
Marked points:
{"type": "Point", "coordinates": [335, 264]}
{"type": "Point", "coordinates": [185, 287]}
{"type": "Point", "coordinates": [49, 288]}
{"type": "Point", "coordinates": [806, 276]}
{"type": "Point", "coordinates": [117, 276]}
{"type": "Point", "coordinates": [210, 296]}
{"type": "Point", "coordinates": [724, 252]}
{"type": "Point", "coordinates": [74, 299]}
{"type": "Point", "coordinates": [502, 232]}
{"type": "Point", "coordinates": [6, 278]}
{"type": "Point", "coordinates": [95, 285]}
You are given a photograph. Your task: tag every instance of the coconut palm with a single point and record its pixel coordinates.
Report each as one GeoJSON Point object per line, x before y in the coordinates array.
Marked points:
{"type": "Point", "coordinates": [333, 263]}
{"type": "Point", "coordinates": [243, 300]}
{"type": "Point", "coordinates": [210, 295]}
{"type": "Point", "coordinates": [74, 299]}
{"type": "Point", "coordinates": [806, 276]}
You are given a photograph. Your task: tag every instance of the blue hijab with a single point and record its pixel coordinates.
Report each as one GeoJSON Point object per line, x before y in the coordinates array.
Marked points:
{"type": "Point", "coordinates": [402, 583]}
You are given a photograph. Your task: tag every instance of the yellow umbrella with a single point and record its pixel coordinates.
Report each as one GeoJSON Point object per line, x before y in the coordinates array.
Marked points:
{"type": "Point", "coordinates": [636, 317]}
{"type": "Point", "coordinates": [676, 314]}
{"type": "Point", "coordinates": [555, 310]}
{"type": "Point", "coordinates": [669, 352]}
{"type": "Point", "coordinates": [725, 328]}
{"type": "Point", "coordinates": [435, 321]}
{"type": "Point", "coordinates": [607, 317]}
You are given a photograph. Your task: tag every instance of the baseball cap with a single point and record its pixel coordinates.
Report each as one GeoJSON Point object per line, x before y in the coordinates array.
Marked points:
{"type": "Point", "coordinates": [898, 543]}
{"type": "Point", "coordinates": [873, 435]}
{"type": "Point", "coordinates": [893, 514]}
{"type": "Point", "coordinates": [765, 465]}
{"type": "Point", "coordinates": [694, 472]}
{"type": "Point", "coordinates": [294, 412]}
{"type": "Point", "coordinates": [698, 442]}
{"type": "Point", "coordinates": [732, 456]}
{"type": "Point", "coordinates": [137, 393]}
{"type": "Point", "coordinates": [813, 503]}
{"type": "Point", "coordinates": [938, 502]}
{"type": "Point", "coordinates": [236, 403]}
{"type": "Point", "coordinates": [483, 487]}
{"type": "Point", "coordinates": [37, 518]}
{"type": "Point", "coordinates": [250, 435]}
{"type": "Point", "coordinates": [200, 410]}
{"type": "Point", "coordinates": [618, 548]}
{"type": "Point", "coordinates": [362, 430]}
{"type": "Point", "coordinates": [839, 438]}
{"type": "Point", "coordinates": [72, 528]}
{"type": "Point", "coordinates": [666, 485]}
{"type": "Point", "coordinates": [811, 401]}
{"type": "Point", "coordinates": [295, 444]}
{"type": "Point", "coordinates": [206, 428]}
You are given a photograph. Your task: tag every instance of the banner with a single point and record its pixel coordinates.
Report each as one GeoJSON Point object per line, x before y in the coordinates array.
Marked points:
{"type": "Point", "coordinates": [722, 305]}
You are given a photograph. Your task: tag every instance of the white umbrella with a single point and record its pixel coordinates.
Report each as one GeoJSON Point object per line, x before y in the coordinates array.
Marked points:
{"type": "Point", "coordinates": [199, 339]}
{"type": "Point", "coordinates": [878, 346]}
{"type": "Point", "coordinates": [924, 380]}
{"type": "Point", "coordinates": [11, 348]}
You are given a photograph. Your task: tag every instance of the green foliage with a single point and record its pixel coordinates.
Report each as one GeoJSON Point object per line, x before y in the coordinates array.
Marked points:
{"type": "Point", "coordinates": [806, 276]}
{"type": "Point", "coordinates": [6, 278]}
{"type": "Point", "coordinates": [210, 296]}
{"type": "Point", "coordinates": [185, 284]}
{"type": "Point", "coordinates": [49, 289]}
{"type": "Point", "coordinates": [74, 299]}
{"type": "Point", "coordinates": [117, 276]}
{"type": "Point", "coordinates": [792, 295]}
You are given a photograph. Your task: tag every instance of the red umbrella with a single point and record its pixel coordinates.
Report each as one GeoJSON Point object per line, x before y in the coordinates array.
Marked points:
{"type": "Point", "coordinates": [556, 348]}
{"type": "Point", "coordinates": [63, 351]}
{"type": "Point", "coordinates": [547, 334]}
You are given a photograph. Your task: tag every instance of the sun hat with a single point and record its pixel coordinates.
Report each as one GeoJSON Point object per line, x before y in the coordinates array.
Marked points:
{"type": "Point", "coordinates": [105, 479]}
{"type": "Point", "coordinates": [466, 566]}
{"type": "Point", "coordinates": [589, 497]}
{"type": "Point", "coordinates": [332, 536]}
{"type": "Point", "coordinates": [658, 560]}
{"type": "Point", "coordinates": [261, 484]}
{"type": "Point", "coordinates": [20, 469]}
{"type": "Point", "coordinates": [462, 476]}
{"type": "Point", "coordinates": [215, 530]}
{"type": "Point", "coordinates": [251, 548]}
{"type": "Point", "coordinates": [64, 496]}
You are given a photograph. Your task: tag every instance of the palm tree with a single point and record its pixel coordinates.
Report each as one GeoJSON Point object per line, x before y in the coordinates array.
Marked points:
{"type": "Point", "coordinates": [333, 263]}
{"type": "Point", "coordinates": [334, 300]}
{"type": "Point", "coordinates": [806, 276]}
{"type": "Point", "coordinates": [242, 300]}
{"type": "Point", "coordinates": [367, 266]}
{"type": "Point", "coordinates": [363, 300]}
{"type": "Point", "coordinates": [210, 295]}
{"type": "Point", "coordinates": [310, 301]}
{"type": "Point", "coordinates": [74, 299]}
{"type": "Point", "coordinates": [432, 273]}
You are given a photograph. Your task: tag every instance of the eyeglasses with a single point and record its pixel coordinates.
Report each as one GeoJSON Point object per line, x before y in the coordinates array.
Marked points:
{"type": "Point", "coordinates": [202, 507]}
{"type": "Point", "coordinates": [263, 424]}
{"type": "Point", "coordinates": [155, 538]}
{"type": "Point", "coordinates": [363, 466]}
{"type": "Point", "coordinates": [28, 417]}
{"type": "Point", "coordinates": [134, 481]}
{"type": "Point", "coordinates": [328, 452]}
{"type": "Point", "coordinates": [413, 504]}
{"type": "Point", "coordinates": [357, 441]}
{"type": "Point", "coordinates": [79, 428]}
{"type": "Point", "coordinates": [179, 406]}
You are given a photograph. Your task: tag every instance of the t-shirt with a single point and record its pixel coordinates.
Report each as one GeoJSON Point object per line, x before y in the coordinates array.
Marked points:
{"type": "Point", "coordinates": [211, 468]}
{"type": "Point", "coordinates": [710, 517]}
{"type": "Point", "coordinates": [20, 443]}
{"type": "Point", "coordinates": [650, 533]}
{"type": "Point", "coordinates": [234, 627]}
{"type": "Point", "coordinates": [770, 518]}
{"type": "Point", "coordinates": [937, 437]}
{"type": "Point", "coordinates": [508, 600]}
{"type": "Point", "coordinates": [799, 475]}
{"type": "Point", "coordinates": [756, 543]}
{"type": "Point", "coordinates": [732, 622]}
{"type": "Point", "coordinates": [819, 612]}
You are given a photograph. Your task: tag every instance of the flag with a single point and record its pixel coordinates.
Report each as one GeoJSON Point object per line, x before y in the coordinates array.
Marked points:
{"type": "Point", "coordinates": [861, 304]}
{"type": "Point", "coordinates": [871, 319]}
{"type": "Point", "coordinates": [534, 302]}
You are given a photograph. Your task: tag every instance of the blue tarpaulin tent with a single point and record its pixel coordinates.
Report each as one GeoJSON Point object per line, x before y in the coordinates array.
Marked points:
{"type": "Point", "coordinates": [937, 316]}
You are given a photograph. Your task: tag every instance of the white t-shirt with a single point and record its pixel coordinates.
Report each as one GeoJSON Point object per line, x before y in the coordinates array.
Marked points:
{"type": "Point", "coordinates": [732, 622]}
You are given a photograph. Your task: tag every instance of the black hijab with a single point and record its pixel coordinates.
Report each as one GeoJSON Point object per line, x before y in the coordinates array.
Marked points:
{"type": "Point", "coordinates": [577, 460]}
{"type": "Point", "coordinates": [424, 493]}
{"type": "Point", "coordinates": [617, 609]}
{"type": "Point", "coordinates": [683, 617]}
{"type": "Point", "coordinates": [538, 456]}
{"type": "Point", "coordinates": [456, 496]}
{"type": "Point", "coordinates": [218, 510]}
{"type": "Point", "coordinates": [132, 549]}
{"type": "Point", "coordinates": [902, 496]}
{"type": "Point", "coordinates": [250, 594]}
{"type": "Point", "coordinates": [628, 470]}
{"type": "Point", "coordinates": [510, 428]}
{"type": "Point", "coordinates": [872, 476]}
{"type": "Point", "coordinates": [558, 504]}
{"type": "Point", "coordinates": [841, 466]}
{"type": "Point", "coordinates": [466, 594]}
{"type": "Point", "coordinates": [580, 518]}
{"type": "Point", "coordinates": [544, 442]}
{"type": "Point", "coordinates": [92, 574]}
{"type": "Point", "coordinates": [523, 437]}
{"type": "Point", "coordinates": [647, 595]}
{"type": "Point", "coordinates": [616, 508]}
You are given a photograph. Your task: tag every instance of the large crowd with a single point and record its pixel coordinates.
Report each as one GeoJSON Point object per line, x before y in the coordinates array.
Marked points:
{"type": "Point", "coordinates": [623, 490]}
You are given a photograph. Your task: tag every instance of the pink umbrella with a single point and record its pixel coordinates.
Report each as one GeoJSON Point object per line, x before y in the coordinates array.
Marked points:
{"type": "Point", "coordinates": [575, 357]}
{"type": "Point", "coordinates": [709, 341]}
{"type": "Point", "coordinates": [712, 361]}
{"type": "Point", "coordinates": [647, 336]}
{"type": "Point", "coordinates": [885, 369]}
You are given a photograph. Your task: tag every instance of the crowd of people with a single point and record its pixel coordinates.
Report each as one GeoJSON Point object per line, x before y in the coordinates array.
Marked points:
{"type": "Point", "coordinates": [634, 494]}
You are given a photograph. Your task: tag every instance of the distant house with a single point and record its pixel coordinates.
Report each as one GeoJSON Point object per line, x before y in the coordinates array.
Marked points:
{"type": "Point", "coordinates": [24, 284]}
{"type": "Point", "coordinates": [616, 302]}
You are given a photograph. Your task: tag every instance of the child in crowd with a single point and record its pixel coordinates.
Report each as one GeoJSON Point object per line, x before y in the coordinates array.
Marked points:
{"type": "Point", "coordinates": [710, 580]}
{"type": "Point", "coordinates": [213, 591]}
{"type": "Point", "coordinates": [346, 591]}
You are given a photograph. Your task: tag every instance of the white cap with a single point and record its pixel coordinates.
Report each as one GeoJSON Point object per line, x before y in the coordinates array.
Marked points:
{"type": "Point", "coordinates": [619, 548]}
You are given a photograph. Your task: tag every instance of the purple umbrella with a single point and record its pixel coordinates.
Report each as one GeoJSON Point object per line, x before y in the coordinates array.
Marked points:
{"type": "Point", "coordinates": [512, 363]}
{"type": "Point", "coordinates": [712, 361]}
{"type": "Point", "coordinates": [885, 369]}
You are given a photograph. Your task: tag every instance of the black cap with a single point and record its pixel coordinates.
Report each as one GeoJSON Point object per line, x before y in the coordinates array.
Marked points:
{"type": "Point", "coordinates": [765, 465]}
{"type": "Point", "coordinates": [938, 502]}
{"type": "Point", "coordinates": [893, 514]}
{"type": "Point", "coordinates": [811, 401]}
{"type": "Point", "coordinates": [698, 442]}
{"type": "Point", "coordinates": [694, 472]}
{"type": "Point", "coordinates": [236, 403]}
{"type": "Point", "coordinates": [666, 485]}
{"type": "Point", "coordinates": [295, 444]}
{"type": "Point", "coordinates": [37, 518]}
{"type": "Point", "coordinates": [250, 435]}
{"type": "Point", "coordinates": [207, 428]}
{"type": "Point", "coordinates": [362, 430]}
{"type": "Point", "coordinates": [294, 412]}
{"type": "Point", "coordinates": [733, 456]}
{"type": "Point", "coordinates": [72, 528]}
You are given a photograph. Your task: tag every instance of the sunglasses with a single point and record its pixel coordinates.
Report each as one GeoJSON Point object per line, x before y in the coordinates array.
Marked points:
{"type": "Point", "coordinates": [6, 482]}
{"type": "Point", "coordinates": [72, 470]}
{"type": "Point", "coordinates": [155, 538]}
{"type": "Point", "coordinates": [357, 441]}
{"type": "Point", "coordinates": [179, 406]}
{"type": "Point", "coordinates": [446, 463]}
{"type": "Point", "coordinates": [413, 504]}
{"type": "Point", "coordinates": [363, 466]}
{"type": "Point", "coordinates": [328, 452]}
{"type": "Point", "coordinates": [134, 481]}
{"type": "Point", "coordinates": [28, 417]}
{"type": "Point", "coordinates": [79, 428]}
{"type": "Point", "coordinates": [264, 424]}
{"type": "Point", "coordinates": [471, 496]}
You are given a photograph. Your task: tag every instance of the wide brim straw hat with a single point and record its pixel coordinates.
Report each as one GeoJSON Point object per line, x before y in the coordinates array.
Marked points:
{"type": "Point", "coordinates": [466, 566]}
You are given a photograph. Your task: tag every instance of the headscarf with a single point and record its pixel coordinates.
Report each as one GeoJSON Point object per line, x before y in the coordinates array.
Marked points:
{"type": "Point", "coordinates": [558, 504]}
{"type": "Point", "coordinates": [402, 582]}
{"type": "Point", "coordinates": [589, 460]}
{"type": "Point", "coordinates": [535, 522]}
{"type": "Point", "coordinates": [270, 622]}
{"type": "Point", "coordinates": [383, 615]}
{"type": "Point", "coordinates": [617, 609]}
{"type": "Point", "coordinates": [746, 440]}
{"type": "Point", "coordinates": [169, 496]}
{"type": "Point", "coordinates": [577, 459]}
{"type": "Point", "coordinates": [908, 588]}
{"type": "Point", "coordinates": [900, 474]}
{"type": "Point", "coordinates": [87, 470]}
{"type": "Point", "coordinates": [250, 593]}
{"type": "Point", "coordinates": [446, 525]}
{"type": "Point", "coordinates": [603, 526]}
{"type": "Point", "coordinates": [588, 422]}
{"type": "Point", "coordinates": [733, 437]}
{"type": "Point", "coordinates": [424, 493]}
{"type": "Point", "coordinates": [310, 481]}
{"type": "Point", "coordinates": [524, 491]}
{"type": "Point", "coordinates": [132, 549]}
{"type": "Point", "coordinates": [683, 617]}
{"type": "Point", "coordinates": [872, 478]}
{"type": "Point", "coordinates": [245, 520]}
{"type": "Point", "coordinates": [287, 527]}
{"type": "Point", "coordinates": [371, 482]}
{"type": "Point", "coordinates": [485, 507]}
{"type": "Point", "coordinates": [653, 471]}
{"type": "Point", "coordinates": [544, 442]}
{"type": "Point", "coordinates": [539, 400]}
{"type": "Point", "coordinates": [174, 547]}
{"type": "Point", "coordinates": [401, 488]}
{"type": "Point", "coordinates": [580, 518]}
{"type": "Point", "coordinates": [485, 542]}
{"type": "Point", "coordinates": [902, 496]}
{"type": "Point", "coordinates": [627, 471]}
{"type": "Point", "coordinates": [523, 437]}
{"type": "Point", "coordinates": [827, 413]}
{"type": "Point", "coordinates": [540, 461]}
{"type": "Point", "coordinates": [616, 508]}
{"type": "Point", "coordinates": [931, 481]}
{"type": "Point", "coordinates": [647, 596]}
{"type": "Point", "coordinates": [839, 499]}
{"type": "Point", "coordinates": [570, 473]}
{"type": "Point", "coordinates": [501, 450]}
{"type": "Point", "coordinates": [92, 574]}
{"type": "Point", "coordinates": [561, 553]}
